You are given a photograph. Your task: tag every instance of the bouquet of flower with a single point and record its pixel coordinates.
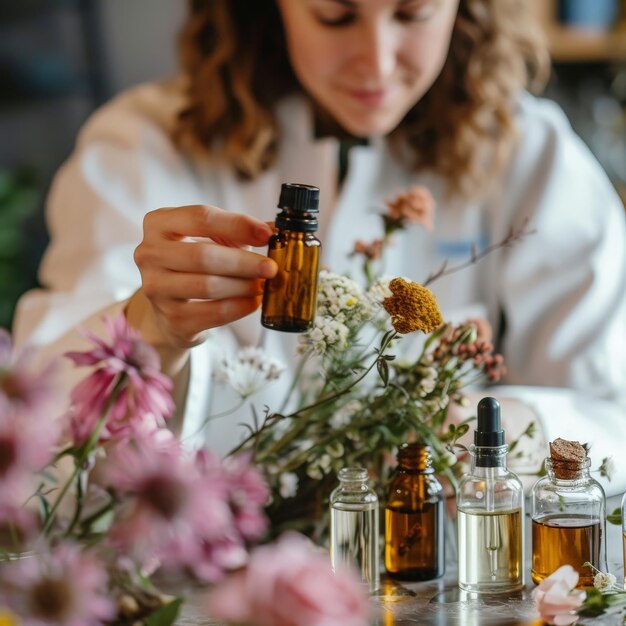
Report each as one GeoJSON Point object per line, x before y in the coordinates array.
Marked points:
{"type": "Point", "coordinates": [93, 503]}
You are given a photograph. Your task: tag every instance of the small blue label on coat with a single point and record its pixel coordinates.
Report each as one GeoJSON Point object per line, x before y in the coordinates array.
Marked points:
{"type": "Point", "coordinates": [454, 248]}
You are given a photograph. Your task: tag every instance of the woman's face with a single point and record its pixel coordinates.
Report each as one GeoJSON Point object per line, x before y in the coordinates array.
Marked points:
{"type": "Point", "coordinates": [367, 62]}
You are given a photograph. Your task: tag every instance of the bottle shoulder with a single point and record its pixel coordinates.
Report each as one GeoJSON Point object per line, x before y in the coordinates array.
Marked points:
{"type": "Point", "coordinates": [589, 486]}
{"type": "Point", "coordinates": [287, 236]}
{"type": "Point", "coordinates": [351, 496]}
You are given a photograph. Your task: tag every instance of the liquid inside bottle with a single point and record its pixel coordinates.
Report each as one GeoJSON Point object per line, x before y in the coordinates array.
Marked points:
{"type": "Point", "coordinates": [290, 297]}
{"type": "Point", "coordinates": [355, 540]}
{"type": "Point", "coordinates": [414, 536]}
{"type": "Point", "coordinates": [560, 539]}
{"type": "Point", "coordinates": [415, 540]}
{"type": "Point", "coordinates": [354, 526]}
{"type": "Point", "coordinates": [490, 550]}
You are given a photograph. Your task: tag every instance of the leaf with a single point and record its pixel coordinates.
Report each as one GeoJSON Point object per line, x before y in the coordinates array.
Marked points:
{"type": "Point", "coordinates": [166, 615]}
{"type": "Point", "coordinates": [461, 430]}
{"type": "Point", "coordinates": [615, 517]}
{"type": "Point", "coordinates": [383, 370]}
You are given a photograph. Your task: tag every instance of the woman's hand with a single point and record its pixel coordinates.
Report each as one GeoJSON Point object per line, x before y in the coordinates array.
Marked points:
{"type": "Point", "coordinates": [196, 274]}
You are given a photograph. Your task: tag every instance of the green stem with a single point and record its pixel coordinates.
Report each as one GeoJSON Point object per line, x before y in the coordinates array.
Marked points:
{"type": "Point", "coordinates": [275, 416]}
{"type": "Point", "coordinates": [84, 451]}
{"type": "Point", "coordinates": [294, 382]}
{"type": "Point", "coordinates": [88, 522]}
{"type": "Point", "coordinates": [210, 418]}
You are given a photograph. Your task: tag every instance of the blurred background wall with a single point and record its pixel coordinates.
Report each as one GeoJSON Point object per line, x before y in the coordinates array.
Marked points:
{"type": "Point", "coordinates": [60, 59]}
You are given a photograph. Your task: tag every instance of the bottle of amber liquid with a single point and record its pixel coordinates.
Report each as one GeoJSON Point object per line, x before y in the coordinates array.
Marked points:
{"type": "Point", "coordinates": [414, 548]}
{"type": "Point", "coordinates": [490, 512]}
{"type": "Point", "coordinates": [289, 298]}
{"type": "Point", "coordinates": [568, 515]}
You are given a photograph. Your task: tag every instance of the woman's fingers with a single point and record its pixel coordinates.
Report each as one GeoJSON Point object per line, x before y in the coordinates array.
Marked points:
{"type": "Point", "coordinates": [232, 229]}
{"type": "Point", "coordinates": [183, 286]}
{"type": "Point", "coordinates": [189, 318]}
{"type": "Point", "coordinates": [203, 257]}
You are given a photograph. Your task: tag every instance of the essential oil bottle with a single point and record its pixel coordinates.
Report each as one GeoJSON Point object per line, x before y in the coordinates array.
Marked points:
{"type": "Point", "coordinates": [568, 515]}
{"type": "Point", "coordinates": [354, 526]}
{"type": "Point", "coordinates": [490, 510]}
{"type": "Point", "coordinates": [289, 298]}
{"type": "Point", "coordinates": [414, 548]}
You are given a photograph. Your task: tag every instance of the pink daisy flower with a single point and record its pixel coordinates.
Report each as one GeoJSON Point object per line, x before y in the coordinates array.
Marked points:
{"type": "Point", "coordinates": [63, 586]}
{"type": "Point", "coordinates": [180, 510]}
{"type": "Point", "coordinates": [145, 395]}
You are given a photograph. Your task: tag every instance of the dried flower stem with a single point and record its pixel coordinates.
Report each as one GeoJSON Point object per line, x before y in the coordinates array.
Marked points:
{"type": "Point", "coordinates": [513, 236]}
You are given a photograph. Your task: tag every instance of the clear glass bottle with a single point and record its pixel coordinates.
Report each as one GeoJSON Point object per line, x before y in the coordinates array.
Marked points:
{"type": "Point", "coordinates": [289, 299]}
{"type": "Point", "coordinates": [354, 525]}
{"type": "Point", "coordinates": [490, 512]}
{"type": "Point", "coordinates": [414, 515]}
{"type": "Point", "coordinates": [568, 511]}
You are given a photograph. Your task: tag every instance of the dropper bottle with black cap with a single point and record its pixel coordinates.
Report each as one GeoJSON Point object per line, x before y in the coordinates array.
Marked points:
{"type": "Point", "coordinates": [490, 512]}
{"type": "Point", "coordinates": [289, 299]}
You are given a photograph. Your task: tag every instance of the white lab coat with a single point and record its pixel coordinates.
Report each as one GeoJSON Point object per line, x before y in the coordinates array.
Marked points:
{"type": "Point", "coordinates": [561, 290]}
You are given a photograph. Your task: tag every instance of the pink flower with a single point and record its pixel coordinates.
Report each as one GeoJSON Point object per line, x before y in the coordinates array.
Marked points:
{"type": "Point", "coordinates": [20, 387]}
{"type": "Point", "coordinates": [190, 514]}
{"type": "Point", "coordinates": [556, 599]}
{"type": "Point", "coordinates": [144, 397]}
{"type": "Point", "coordinates": [290, 583]}
{"type": "Point", "coordinates": [63, 586]}
{"type": "Point", "coordinates": [416, 205]}
{"type": "Point", "coordinates": [26, 447]}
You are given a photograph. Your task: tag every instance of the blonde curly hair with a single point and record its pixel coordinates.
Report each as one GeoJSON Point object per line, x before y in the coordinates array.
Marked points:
{"type": "Point", "coordinates": [234, 57]}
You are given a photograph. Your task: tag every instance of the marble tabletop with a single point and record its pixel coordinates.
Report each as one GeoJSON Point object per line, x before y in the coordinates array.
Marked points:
{"type": "Point", "coordinates": [442, 603]}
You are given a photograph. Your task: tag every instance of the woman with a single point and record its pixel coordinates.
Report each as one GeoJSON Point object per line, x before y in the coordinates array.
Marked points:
{"type": "Point", "coordinates": [427, 92]}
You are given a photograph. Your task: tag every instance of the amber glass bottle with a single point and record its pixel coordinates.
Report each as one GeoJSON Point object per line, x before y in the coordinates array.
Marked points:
{"type": "Point", "coordinates": [289, 298]}
{"type": "Point", "coordinates": [568, 517]}
{"type": "Point", "coordinates": [414, 548]}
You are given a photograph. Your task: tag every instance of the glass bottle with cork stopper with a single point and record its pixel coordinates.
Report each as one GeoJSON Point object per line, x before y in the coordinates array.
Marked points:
{"type": "Point", "coordinates": [414, 516]}
{"type": "Point", "coordinates": [354, 526]}
{"type": "Point", "coordinates": [568, 515]}
{"type": "Point", "coordinates": [490, 512]}
{"type": "Point", "coordinates": [290, 297]}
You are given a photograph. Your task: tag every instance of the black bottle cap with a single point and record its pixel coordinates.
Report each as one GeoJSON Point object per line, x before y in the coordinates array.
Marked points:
{"type": "Point", "coordinates": [489, 431]}
{"type": "Point", "coordinates": [299, 198]}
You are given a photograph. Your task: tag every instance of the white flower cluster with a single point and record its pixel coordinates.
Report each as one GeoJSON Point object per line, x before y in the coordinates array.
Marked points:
{"type": "Point", "coordinates": [341, 307]}
{"type": "Point", "coordinates": [379, 290]}
{"type": "Point", "coordinates": [604, 582]}
{"type": "Point", "coordinates": [327, 334]}
{"type": "Point", "coordinates": [341, 299]}
{"type": "Point", "coordinates": [248, 371]}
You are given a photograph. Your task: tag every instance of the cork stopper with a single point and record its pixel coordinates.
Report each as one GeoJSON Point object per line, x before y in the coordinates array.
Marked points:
{"type": "Point", "coordinates": [567, 458]}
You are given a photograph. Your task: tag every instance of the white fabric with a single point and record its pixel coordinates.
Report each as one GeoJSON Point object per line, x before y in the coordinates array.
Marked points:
{"type": "Point", "coordinates": [561, 290]}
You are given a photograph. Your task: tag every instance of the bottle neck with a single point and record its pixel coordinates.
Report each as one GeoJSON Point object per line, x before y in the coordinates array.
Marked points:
{"type": "Point", "coordinates": [353, 478]}
{"type": "Point", "coordinates": [488, 457]}
{"type": "Point", "coordinates": [564, 472]}
{"type": "Point", "coordinates": [415, 457]}
{"type": "Point", "coordinates": [297, 221]}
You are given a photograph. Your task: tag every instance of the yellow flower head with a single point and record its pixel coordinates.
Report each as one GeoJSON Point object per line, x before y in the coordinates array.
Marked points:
{"type": "Point", "coordinates": [412, 307]}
